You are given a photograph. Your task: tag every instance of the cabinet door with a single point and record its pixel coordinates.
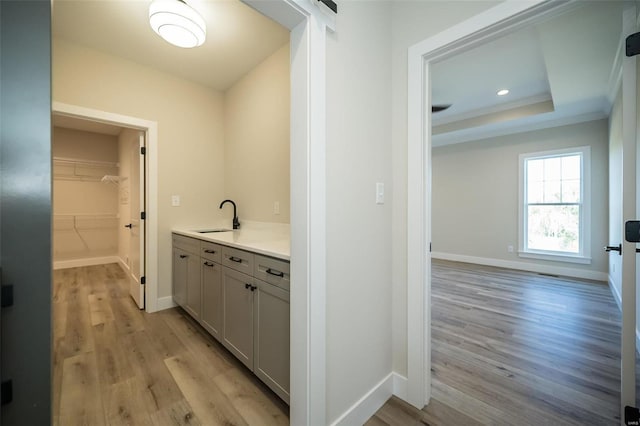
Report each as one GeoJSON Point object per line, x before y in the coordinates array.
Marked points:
{"type": "Point", "coordinates": [271, 337]}
{"type": "Point", "coordinates": [179, 282]}
{"type": "Point", "coordinates": [238, 292]}
{"type": "Point", "coordinates": [211, 318]}
{"type": "Point", "coordinates": [194, 287]}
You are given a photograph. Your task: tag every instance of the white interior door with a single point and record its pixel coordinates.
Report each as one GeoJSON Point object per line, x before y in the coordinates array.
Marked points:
{"type": "Point", "coordinates": [137, 241]}
{"type": "Point", "coordinates": [629, 212]}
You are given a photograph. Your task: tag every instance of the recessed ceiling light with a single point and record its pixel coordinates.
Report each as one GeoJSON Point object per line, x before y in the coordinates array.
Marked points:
{"type": "Point", "coordinates": [503, 92]}
{"type": "Point", "coordinates": [177, 23]}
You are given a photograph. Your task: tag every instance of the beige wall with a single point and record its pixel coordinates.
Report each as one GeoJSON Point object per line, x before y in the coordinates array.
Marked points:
{"type": "Point", "coordinates": [84, 208]}
{"type": "Point", "coordinates": [256, 119]}
{"type": "Point", "coordinates": [190, 132]}
{"type": "Point", "coordinates": [358, 231]}
{"type": "Point", "coordinates": [412, 22]}
{"type": "Point", "coordinates": [476, 189]}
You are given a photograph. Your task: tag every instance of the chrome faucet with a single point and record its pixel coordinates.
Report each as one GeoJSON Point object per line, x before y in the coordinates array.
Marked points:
{"type": "Point", "coordinates": [236, 222]}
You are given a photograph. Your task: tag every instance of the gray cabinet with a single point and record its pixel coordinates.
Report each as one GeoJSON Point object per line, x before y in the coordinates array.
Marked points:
{"type": "Point", "coordinates": [186, 273]}
{"type": "Point", "coordinates": [179, 276]}
{"type": "Point", "coordinates": [237, 336]}
{"type": "Point", "coordinates": [271, 337]}
{"type": "Point", "coordinates": [240, 298]}
{"type": "Point", "coordinates": [211, 317]}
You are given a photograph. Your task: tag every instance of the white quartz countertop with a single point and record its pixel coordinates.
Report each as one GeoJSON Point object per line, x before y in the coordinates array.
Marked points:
{"type": "Point", "coordinates": [269, 239]}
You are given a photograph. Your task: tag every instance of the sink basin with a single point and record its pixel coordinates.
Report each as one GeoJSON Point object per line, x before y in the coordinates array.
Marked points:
{"type": "Point", "coordinates": [209, 231]}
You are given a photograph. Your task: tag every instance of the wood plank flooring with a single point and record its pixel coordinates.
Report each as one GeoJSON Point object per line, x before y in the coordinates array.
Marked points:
{"type": "Point", "coordinates": [517, 348]}
{"type": "Point", "coordinates": [117, 365]}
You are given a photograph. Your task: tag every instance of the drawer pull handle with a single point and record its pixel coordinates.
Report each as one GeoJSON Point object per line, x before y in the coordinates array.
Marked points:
{"type": "Point", "coordinates": [253, 288]}
{"type": "Point", "coordinates": [208, 264]}
{"type": "Point", "coordinates": [182, 256]}
{"type": "Point", "coordinates": [275, 272]}
{"type": "Point", "coordinates": [235, 259]}
{"type": "Point", "coordinates": [247, 286]}
{"type": "Point", "coordinates": [210, 251]}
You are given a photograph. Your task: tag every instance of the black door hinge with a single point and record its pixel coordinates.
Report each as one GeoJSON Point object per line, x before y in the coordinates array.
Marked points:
{"type": "Point", "coordinates": [6, 392]}
{"type": "Point", "coordinates": [7, 296]}
{"type": "Point", "coordinates": [143, 215]}
{"type": "Point", "coordinates": [143, 280]}
{"type": "Point", "coordinates": [631, 416]}
{"type": "Point", "coordinates": [143, 150]}
{"type": "Point", "coordinates": [633, 45]}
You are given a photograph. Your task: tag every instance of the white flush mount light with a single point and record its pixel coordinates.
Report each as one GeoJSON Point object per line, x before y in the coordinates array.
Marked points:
{"type": "Point", "coordinates": [177, 23]}
{"type": "Point", "coordinates": [503, 92]}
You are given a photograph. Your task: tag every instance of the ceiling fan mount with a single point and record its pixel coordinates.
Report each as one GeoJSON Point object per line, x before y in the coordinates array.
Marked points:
{"type": "Point", "coordinates": [439, 107]}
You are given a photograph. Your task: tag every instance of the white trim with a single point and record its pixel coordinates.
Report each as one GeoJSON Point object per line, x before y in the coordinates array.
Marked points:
{"type": "Point", "coordinates": [400, 386]}
{"type": "Point", "coordinates": [615, 76]}
{"type": "Point", "coordinates": [89, 261]}
{"type": "Point", "coordinates": [366, 406]}
{"type": "Point", "coordinates": [525, 266]}
{"type": "Point", "coordinates": [491, 23]}
{"type": "Point", "coordinates": [522, 125]}
{"type": "Point", "coordinates": [123, 265]}
{"type": "Point", "coordinates": [615, 293]}
{"type": "Point", "coordinates": [151, 181]}
{"type": "Point", "coordinates": [166, 303]}
{"type": "Point", "coordinates": [518, 103]}
{"type": "Point", "coordinates": [555, 257]}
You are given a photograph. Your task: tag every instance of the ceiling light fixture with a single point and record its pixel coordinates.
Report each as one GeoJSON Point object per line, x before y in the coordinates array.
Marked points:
{"type": "Point", "coordinates": [177, 23]}
{"type": "Point", "coordinates": [503, 92]}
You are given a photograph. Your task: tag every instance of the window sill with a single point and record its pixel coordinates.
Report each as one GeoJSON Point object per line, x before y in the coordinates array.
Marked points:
{"type": "Point", "coordinates": [555, 257]}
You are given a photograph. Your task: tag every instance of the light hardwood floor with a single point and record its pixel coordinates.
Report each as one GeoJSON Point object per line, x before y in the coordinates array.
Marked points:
{"type": "Point", "coordinates": [517, 348]}
{"type": "Point", "coordinates": [117, 365]}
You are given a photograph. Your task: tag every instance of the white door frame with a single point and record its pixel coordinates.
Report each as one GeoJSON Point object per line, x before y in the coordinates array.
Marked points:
{"type": "Point", "coordinates": [494, 22]}
{"type": "Point", "coordinates": [150, 128]}
{"type": "Point", "coordinates": [629, 212]}
{"type": "Point", "coordinates": [309, 22]}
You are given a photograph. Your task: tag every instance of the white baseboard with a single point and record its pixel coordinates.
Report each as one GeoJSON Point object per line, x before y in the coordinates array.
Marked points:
{"type": "Point", "coordinates": [616, 294]}
{"type": "Point", "coordinates": [400, 386]}
{"type": "Point", "coordinates": [77, 263]}
{"type": "Point", "coordinates": [367, 406]}
{"type": "Point", "coordinates": [124, 266]}
{"type": "Point", "coordinates": [524, 266]}
{"type": "Point", "coordinates": [165, 303]}
{"type": "Point", "coordinates": [618, 298]}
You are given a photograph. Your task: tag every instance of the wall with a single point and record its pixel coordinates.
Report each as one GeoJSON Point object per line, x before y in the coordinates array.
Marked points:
{"type": "Point", "coordinates": [358, 231]}
{"type": "Point", "coordinates": [256, 120]}
{"type": "Point", "coordinates": [476, 189]}
{"type": "Point", "coordinates": [84, 208]}
{"type": "Point", "coordinates": [190, 132]}
{"type": "Point", "coordinates": [412, 22]}
{"type": "Point", "coordinates": [615, 193]}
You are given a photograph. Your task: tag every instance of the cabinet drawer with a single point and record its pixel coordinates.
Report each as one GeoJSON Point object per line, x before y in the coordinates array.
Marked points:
{"type": "Point", "coordinates": [187, 244]}
{"type": "Point", "coordinates": [211, 251]}
{"type": "Point", "coordinates": [239, 260]}
{"type": "Point", "coordinates": [272, 270]}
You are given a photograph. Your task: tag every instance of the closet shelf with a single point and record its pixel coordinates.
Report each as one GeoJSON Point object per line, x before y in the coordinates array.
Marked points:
{"type": "Point", "coordinates": [83, 170]}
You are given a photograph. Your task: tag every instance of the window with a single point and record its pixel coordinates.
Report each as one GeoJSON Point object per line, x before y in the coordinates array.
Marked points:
{"type": "Point", "coordinates": [554, 205]}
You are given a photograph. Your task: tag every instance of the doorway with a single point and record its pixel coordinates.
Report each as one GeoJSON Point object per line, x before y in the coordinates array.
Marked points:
{"type": "Point", "coordinates": [134, 185]}
{"type": "Point", "coordinates": [421, 56]}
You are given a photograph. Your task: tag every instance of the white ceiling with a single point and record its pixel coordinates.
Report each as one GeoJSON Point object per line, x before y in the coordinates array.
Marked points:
{"type": "Point", "coordinates": [238, 37]}
{"type": "Point", "coordinates": [568, 60]}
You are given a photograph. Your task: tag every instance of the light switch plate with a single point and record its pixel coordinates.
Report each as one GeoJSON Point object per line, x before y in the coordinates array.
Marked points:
{"type": "Point", "coordinates": [379, 193]}
{"type": "Point", "coordinates": [175, 200]}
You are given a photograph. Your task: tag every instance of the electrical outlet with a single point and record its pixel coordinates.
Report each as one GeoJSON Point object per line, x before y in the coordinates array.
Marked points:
{"type": "Point", "coordinates": [510, 248]}
{"type": "Point", "coordinates": [276, 207]}
{"type": "Point", "coordinates": [175, 200]}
